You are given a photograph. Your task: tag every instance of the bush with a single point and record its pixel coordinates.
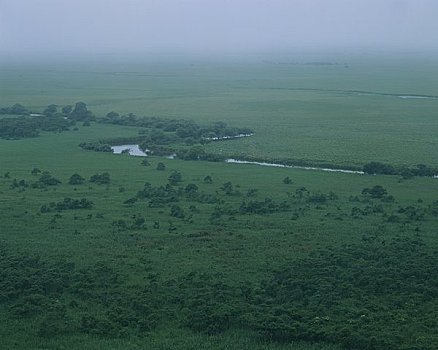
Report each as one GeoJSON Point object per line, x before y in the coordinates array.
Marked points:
{"type": "Point", "coordinates": [379, 168]}
{"type": "Point", "coordinates": [191, 189]}
{"type": "Point", "coordinates": [96, 146]}
{"type": "Point", "coordinates": [67, 204]}
{"type": "Point", "coordinates": [35, 171]}
{"type": "Point", "coordinates": [46, 179]}
{"type": "Point", "coordinates": [175, 178]}
{"type": "Point", "coordinates": [76, 179]}
{"type": "Point", "coordinates": [375, 192]}
{"type": "Point", "coordinates": [287, 180]}
{"type": "Point", "coordinates": [177, 212]}
{"type": "Point", "coordinates": [100, 179]}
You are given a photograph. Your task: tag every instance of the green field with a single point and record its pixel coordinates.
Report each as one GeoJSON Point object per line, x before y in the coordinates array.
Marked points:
{"type": "Point", "coordinates": [297, 111]}
{"type": "Point", "coordinates": [247, 260]}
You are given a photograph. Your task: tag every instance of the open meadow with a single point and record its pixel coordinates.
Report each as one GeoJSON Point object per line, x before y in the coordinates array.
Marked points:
{"type": "Point", "coordinates": [345, 111]}
{"type": "Point", "coordinates": [105, 251]}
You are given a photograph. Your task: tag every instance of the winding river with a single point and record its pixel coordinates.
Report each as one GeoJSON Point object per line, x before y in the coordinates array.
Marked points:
{"type": "Point", "coordinates": [236, 161]}
{"type": "Point", "coordinates": [134, 150]}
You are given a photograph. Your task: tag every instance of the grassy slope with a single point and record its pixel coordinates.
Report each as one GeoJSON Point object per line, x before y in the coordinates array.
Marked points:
{"type": "Point", "coordinates": [247, 249]}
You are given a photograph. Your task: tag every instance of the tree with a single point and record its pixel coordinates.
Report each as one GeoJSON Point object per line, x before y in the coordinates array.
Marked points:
{"type": "Point", "coordinates": [228, 188]}
{"type": "Point", "coordinates": [375, 192]}
{"type": "Point", "coordinates": [175, 177]}
{"type": "Point", "coordinates": [287, 180]}
{"type": "Point", "coordinates": [50, 110]}
{"type": "Point", "coordinates": [76, 179]}
{"type": "Point", "coordinates": [195, 153]}
{"type": "Point", "coordinates": [67, 109]}
{"type": "Point", "coordinates": [48, 180]}
{"type": "Point", "coordinates": [300, 191]}
{"type": "Point", "coordinates": [177, 212]}
{"type": "Point", "coordinates": [36, 171]}
{"type": "Point", "coordinates": [251, 192]}
{"type": "Point", "coordinates": [18, 109]}
{"type": "Point", "coordinates": [379, 168]}
{"type": "Point", "coordinates": [191, 189]}
{"type": "Point", "coordinates": [100, 179]}
{"type": "Point", "coordinates": [81, 113]}
{"type": "Point", "coordinates": [208, 179]}
{"type": "Point", "coordinates": [161, 166]}
{"type": "Point", "coordinates": [112, 115]}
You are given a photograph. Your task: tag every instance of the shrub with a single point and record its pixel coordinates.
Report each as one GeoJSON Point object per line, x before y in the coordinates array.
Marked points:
{"type": "Point", "coordinates": [100, 179]}
{"type": "Point", "coordinates": [375, 192]}
{"type": "Point", "coordinates": [379, 168]}
{"type": "Point", "coordinates": [177, 212]}
{"type": "Point", "coordinates": [175, 178]}
{"type": "Point", "coordinates": [76, 179]}
{"type": "Point", "coordinates": [287, 180]}
{"type": "Point", "coordinates": [161, 166]}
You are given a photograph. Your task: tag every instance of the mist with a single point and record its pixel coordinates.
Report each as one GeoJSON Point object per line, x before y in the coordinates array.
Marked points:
{"type": "Point", "coordinates": [85, 27]}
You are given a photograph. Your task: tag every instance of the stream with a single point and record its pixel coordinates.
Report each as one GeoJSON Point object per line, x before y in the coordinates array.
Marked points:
{"type": "Point", "coordinates": [134, 150]}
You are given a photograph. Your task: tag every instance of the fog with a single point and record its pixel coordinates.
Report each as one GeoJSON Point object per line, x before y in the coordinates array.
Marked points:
{"type": "Point", "coordinates": [214, 26]}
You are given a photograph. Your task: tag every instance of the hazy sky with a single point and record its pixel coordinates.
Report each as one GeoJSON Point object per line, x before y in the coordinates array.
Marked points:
{"type": "Point", "coordinates": [100, 26]}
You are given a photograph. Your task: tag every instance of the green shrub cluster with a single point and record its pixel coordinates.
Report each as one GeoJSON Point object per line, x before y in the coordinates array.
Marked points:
{"type": "Point", "coordinates": [101, 179]}
{"type": "Point", "coordinates": [266, 206]}
{"type": "Point", "coordinates": [67, 204]}
{"type": "Point", "coordinates": [172, 129]}
{"type": "Point", "coordinates": [26, 126]}
{"type": "Point", "coordinates": [96, 146]}
{"type": "Point", "coordinates": [407, 172]}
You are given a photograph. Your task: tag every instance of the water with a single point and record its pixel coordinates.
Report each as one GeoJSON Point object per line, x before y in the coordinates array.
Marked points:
{"type": "Point", "coordinates": [416, 97]}
{"type": "Point", "coordinates": [345, 171]}
{"type": "Point", "coordinates": [228, 137]}
{"type": "Point", "coordinates": [171, 156]}
{"type": "Point", "coordinates": [134, 150]}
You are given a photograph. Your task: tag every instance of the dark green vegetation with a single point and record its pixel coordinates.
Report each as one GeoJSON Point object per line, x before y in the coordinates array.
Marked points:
{"type": "Point", "coordinates": [103, 251]}
{"type": "Point", "coordinates": [26, 124]}
{"type": "Point", "coordinates": [122, 252]}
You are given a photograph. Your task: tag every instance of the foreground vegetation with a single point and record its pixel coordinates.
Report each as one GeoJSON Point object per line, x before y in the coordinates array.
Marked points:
{"type": "Point", "coordinates": [106, 251]}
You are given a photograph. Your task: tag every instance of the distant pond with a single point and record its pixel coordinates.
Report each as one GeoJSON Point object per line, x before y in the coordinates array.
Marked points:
{"type": "Point", "coordinates": [133, 150]}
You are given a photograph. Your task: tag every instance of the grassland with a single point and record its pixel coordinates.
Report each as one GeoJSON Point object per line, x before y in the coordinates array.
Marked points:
{"type": "Point", "coordinates": [297, 111]}
{"type": "Point", "coordinates": [313, 263]}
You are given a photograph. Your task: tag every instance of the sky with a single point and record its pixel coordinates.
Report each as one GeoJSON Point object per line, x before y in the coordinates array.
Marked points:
{"type": "Point", "coordinates": [214, 26]}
